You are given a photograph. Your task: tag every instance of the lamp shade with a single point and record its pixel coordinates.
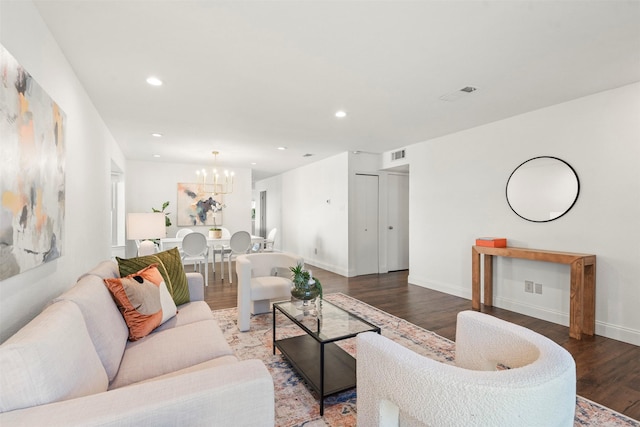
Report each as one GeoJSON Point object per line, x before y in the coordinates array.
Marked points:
{"type": "Point", "coordinates": [142, 226]}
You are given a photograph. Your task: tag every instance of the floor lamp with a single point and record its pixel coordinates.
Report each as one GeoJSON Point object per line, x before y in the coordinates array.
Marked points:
{"type": "Point", "coordinates": [143, 226]}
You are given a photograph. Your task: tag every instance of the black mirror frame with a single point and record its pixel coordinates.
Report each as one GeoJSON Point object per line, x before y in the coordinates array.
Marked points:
{"type": "Point", "coordinates": [543, 157]}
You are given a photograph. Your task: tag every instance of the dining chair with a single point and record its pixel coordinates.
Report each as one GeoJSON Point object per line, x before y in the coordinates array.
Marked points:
{"type": "Point", "coordinates": [239, 244]}
{"type": "Point", "coordinates": [226, 235]}
{"type": "Point", "coordinates": [146, 247]}
{"type": "Point", "coordinates": [196, 251]}
{"type": "Point", "coordinates": [183, 232]}
{"type": "Point", "coordinates": [180, 234]}
{"type": "Point", "coordinates": [269, 242]}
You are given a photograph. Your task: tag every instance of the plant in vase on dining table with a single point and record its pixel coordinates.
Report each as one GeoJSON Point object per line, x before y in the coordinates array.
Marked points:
{"type": "Point", "coordinates": [215, 232]}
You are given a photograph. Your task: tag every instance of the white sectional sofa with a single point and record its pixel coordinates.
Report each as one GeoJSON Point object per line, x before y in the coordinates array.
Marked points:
{"type": "Point", "coordinates": [74, 366]}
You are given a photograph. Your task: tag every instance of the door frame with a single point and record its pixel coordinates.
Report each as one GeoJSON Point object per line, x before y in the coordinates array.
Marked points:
{"type": "Point", "coordinates": [383, 220]}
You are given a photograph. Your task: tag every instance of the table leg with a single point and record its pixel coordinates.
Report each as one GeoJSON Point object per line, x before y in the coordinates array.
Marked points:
{"type": "Point", "coordinates": [589, 300]}
{"type": "Point", "coordinates": [321, 379]}
{"type": "Point", "coordinates": [488, 280]}
{"type": "Point", "coordinates": [222, 263]}
{"type": "Point", "coordinates": [576, 302]}
{"type": "Point", "coordinates": [475, 279]}
{"type": "Point", "coordinates": [273, 330]}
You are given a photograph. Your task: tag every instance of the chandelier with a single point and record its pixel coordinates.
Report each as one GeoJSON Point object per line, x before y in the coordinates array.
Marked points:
{"type": "Point", "coordinates": [214, 184]}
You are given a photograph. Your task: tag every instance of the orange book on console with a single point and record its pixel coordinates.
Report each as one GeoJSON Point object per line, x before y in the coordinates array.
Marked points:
{"type": "Point", "coordinates": [492, 242]}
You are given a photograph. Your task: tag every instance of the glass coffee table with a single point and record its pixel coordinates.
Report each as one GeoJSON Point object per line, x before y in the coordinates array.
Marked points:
{"type": "Point", "coordinates": [325, 367]}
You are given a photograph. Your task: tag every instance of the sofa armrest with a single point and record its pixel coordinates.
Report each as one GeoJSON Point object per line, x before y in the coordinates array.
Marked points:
{"type": "Point", "coordinates": [238, 394]}
{"type": "Point", "coordinates": [196, 286]}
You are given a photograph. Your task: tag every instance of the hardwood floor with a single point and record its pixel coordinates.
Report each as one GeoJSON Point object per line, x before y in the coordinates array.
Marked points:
{"type": "Point", "coordinates": [608, 371]}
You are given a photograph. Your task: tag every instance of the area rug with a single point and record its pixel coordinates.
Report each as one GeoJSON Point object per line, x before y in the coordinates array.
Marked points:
{"type": "Point", "coordinates": [298, 405]}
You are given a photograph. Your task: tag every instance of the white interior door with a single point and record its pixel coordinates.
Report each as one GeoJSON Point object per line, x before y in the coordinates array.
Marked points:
{"type": "Point", "coordinates": [398, 222]}
{"type": "Point", "coordinates": [366, 224]}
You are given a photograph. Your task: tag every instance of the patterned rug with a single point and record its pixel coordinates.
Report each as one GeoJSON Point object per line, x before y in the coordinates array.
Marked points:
{"type": "Point", "coordinates": [297, 405]}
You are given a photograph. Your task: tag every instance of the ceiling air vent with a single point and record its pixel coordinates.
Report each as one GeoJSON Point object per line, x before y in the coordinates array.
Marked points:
{"type": "Point", "coordinates": [460, 93]}
{"type": "Point", "coordinates": [397, 155]}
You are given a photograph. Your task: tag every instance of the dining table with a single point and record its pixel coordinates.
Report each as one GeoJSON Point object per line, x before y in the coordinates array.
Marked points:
{"type": "Point", "coordinates": [214, 244]}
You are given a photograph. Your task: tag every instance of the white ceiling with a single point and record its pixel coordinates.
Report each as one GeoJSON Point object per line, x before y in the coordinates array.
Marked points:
{"type": "Point", "coordinates": [244, 77]}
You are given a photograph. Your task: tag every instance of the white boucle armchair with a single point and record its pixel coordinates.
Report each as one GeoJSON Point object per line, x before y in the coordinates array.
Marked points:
{"type": "Point", "coordinates": [396, 386]}
{"type": "Point", "coordinates": [262, 277]}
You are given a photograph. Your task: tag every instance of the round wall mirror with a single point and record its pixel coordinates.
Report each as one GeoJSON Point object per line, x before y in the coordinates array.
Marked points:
{"type": "Point", "coordinates": [542, 189]}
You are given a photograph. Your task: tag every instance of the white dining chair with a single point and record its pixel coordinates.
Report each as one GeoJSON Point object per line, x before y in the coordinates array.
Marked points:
{"type": "Point", "coordinates": [196, 251]}
{"type": "Point", "coordinates": [221, 249]}
{"type": "Point", "coordinates": [146, 247]}
{"type": "Point", "coordinates": [183, 232]}
{"type": "Point", "coordinates": [270, 241]}
{"type": "Point", "coordinates": [239, 244]}
{"type": "Point", "coordinates": [180, 234]}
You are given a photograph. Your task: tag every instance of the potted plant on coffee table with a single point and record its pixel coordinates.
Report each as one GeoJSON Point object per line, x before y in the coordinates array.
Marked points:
{"type": "Point", "coordinates": [305, 287]}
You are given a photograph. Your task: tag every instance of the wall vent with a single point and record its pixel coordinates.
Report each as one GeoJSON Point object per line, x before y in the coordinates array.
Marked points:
{"type": "Point", "coordinates": [397, 155]}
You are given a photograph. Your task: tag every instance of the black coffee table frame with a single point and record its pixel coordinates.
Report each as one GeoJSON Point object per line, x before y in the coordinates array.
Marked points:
{"type": "Point", "coordinates": [324, 366]}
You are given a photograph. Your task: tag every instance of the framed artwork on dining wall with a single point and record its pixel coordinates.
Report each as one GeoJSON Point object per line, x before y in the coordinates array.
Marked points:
{"type": "Point", "coordinates": [196, 207]}
{"type": "Point", "coordinates": [32, 171]}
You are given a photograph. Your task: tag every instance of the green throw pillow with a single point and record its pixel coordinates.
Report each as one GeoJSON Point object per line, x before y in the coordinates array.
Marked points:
{"type": "Point", "coordinates": [170, 267]}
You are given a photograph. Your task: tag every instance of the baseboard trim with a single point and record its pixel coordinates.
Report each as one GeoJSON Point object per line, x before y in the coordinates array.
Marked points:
{"type": "Point", "coordinates": [616, 332]}
{"type": "Point", "coordinates": [328, 267]}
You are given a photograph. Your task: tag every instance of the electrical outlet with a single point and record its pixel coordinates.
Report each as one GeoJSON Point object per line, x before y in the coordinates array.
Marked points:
{"type": "Point", "coordinates": [528, 286]}
{"type": "Point", "coordinates": [538, 288]}
{"type": "Point", "coordinates": [316, 251]}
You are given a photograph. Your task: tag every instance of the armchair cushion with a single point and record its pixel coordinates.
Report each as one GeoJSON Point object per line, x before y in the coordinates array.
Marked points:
{"type": "Point", "coordinates": [281, 272]}
{"type": "Point", "coordinates": [170, 267]}
{"type": "Point", "coordinates": [269, 287]}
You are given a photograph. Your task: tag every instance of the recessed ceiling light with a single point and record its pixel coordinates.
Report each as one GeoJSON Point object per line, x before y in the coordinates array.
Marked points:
{"type": "Point", "coordinates": [154, 81]}
{"type": "Point", "coordinates": [253, 163]}
{"type": "Point", "coordinates": [157, 135]}
{"type": "Point", "coordinates": [156, 155]}
{"type": "Point", "coordinates": [282, 148]}
{"type": "Point", "coordinates": [340, 114]}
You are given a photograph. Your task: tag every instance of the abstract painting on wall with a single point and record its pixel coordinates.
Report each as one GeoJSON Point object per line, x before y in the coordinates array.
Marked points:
{"type": "Point", "coordinates": [196, 207]}
{"type": "Point", "coordinates": [32, 171]}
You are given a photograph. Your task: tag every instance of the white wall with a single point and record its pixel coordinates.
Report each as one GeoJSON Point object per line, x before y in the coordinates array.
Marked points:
{"type": "Point", "coordinates": [314, 212]}
{"type": "Point", "coordinates": [457, 193]}
{"type": "Point", "coordinates": [310, 207]}
{"type": "Point", "coordinates": [150, 184]}
{"type": "Point", "coordinates": [89, 151]}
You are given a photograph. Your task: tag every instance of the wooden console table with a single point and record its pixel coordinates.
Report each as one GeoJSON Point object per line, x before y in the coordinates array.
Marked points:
{"type": "Point", "coordinates": [582, 318]}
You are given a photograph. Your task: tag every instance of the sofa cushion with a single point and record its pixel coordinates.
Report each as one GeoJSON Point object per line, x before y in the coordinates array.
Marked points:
{"type": "Point", "coordinates": [143, 300]}
{"type": "Point", "coordinates": [169, 350]}
{"type": "Point", "coordinates": [192, 312]}
{"type": "Point", "coordinates": [41, 362]}
{"type": "Point", "coordinates": [212, 363]}
{"type": "Point", "coordinates": [105, 324]}
{"type": "Point", "coordinates": [171, 269]}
